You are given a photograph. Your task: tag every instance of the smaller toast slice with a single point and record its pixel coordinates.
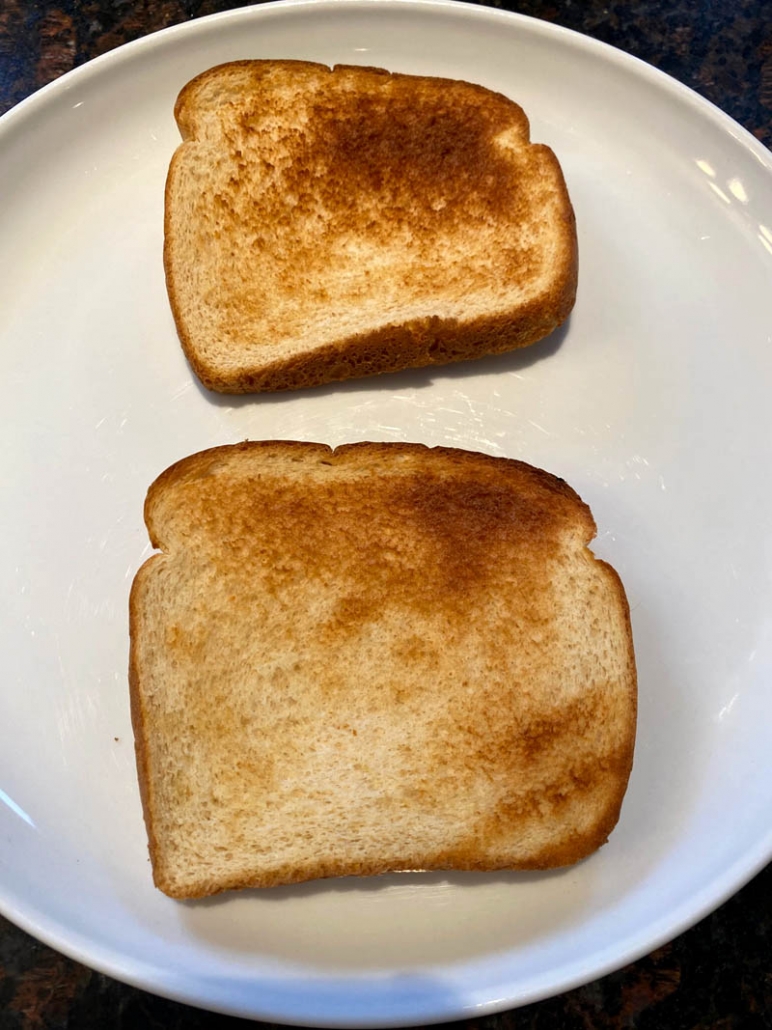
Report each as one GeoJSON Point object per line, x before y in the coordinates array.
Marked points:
{"type": "Point", "coordinates": [323, 224]}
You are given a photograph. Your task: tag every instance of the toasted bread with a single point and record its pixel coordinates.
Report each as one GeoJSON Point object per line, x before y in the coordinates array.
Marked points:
{"type": "Point", "coordinates": [323, 224]}
{"type": "Point", "coordinates": [376, 658]}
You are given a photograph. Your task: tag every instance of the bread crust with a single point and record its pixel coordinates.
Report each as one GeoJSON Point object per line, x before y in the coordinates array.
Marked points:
{"type": "Point", "coordinates": [461, 327]}
{"type": "Point", "coordinates": [138, 724]}
{"type": "Point", "coordinates": [478, 534]}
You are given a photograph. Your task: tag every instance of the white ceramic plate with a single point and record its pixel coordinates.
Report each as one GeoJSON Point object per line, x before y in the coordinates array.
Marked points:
{"type": "Point", "coordinates": [654, 403]}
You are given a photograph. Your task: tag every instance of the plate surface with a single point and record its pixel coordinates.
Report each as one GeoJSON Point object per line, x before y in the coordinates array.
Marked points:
{"type": "Point", "coordinates": [653, 403]}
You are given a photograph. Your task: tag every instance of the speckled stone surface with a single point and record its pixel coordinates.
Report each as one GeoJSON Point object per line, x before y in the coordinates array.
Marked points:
{"type": "Point", "coordinates": [716, 976]}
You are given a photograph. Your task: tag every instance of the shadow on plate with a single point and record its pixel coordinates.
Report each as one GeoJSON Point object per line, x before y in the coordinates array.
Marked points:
{"type": "Point", "coordinates": [405, 879]}
{"type": "Point", "coordinates": [393, 922]}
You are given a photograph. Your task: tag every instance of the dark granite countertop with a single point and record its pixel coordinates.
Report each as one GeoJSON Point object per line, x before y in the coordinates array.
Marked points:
{"type": "Point", "coordinates": [716, 975]}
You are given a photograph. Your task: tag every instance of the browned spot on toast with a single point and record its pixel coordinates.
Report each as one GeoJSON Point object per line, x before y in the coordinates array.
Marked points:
{"type": "Point", "coordinates": [422, 160]}
{"type": "Point", "coordinates": [572, 781]}
{"type": "Point", "coordinates": [393, 163]}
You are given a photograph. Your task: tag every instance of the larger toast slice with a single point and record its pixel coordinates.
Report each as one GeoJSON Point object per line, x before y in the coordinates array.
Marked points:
{"type": "Point", "coordinates": [374, 658]}
{"type": "Point", "coordinates": [323, 224]}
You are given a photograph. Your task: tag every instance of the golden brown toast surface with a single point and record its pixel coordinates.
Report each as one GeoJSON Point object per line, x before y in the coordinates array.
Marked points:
{"type": "Point", "coordinates": [375, 658]}
{"type": "Point", "coordinates": [322, 224]}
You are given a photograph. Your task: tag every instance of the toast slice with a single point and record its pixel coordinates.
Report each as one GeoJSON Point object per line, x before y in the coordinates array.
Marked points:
{"type": "Point", "coordinates": [376, 658]}
{"type": "Point", "coordinates": [323, 224]}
